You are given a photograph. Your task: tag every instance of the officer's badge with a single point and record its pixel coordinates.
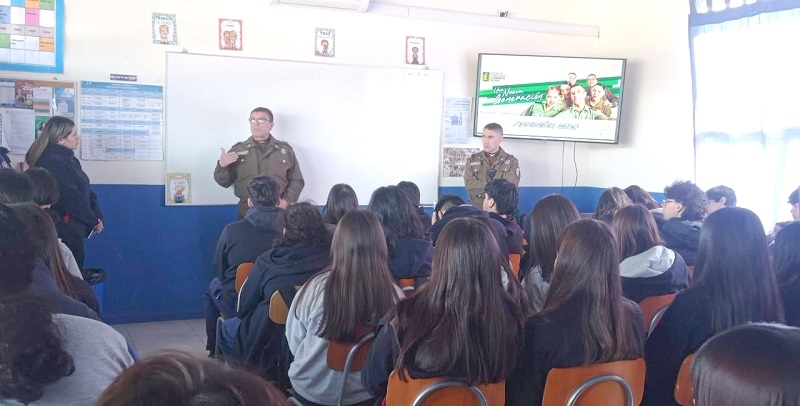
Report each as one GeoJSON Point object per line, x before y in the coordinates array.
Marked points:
{"type": "Point", "coordinates": [283, 151]}
{"type": "Point", "coordinates": [507, 162]}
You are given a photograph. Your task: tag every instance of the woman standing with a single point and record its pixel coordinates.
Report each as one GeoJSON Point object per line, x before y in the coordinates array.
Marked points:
{"type": "Point", "coordinates": [54, 150]}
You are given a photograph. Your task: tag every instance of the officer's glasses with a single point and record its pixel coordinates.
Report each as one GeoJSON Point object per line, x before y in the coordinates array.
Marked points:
{"type": "Point", "coordinates": [259, 120]}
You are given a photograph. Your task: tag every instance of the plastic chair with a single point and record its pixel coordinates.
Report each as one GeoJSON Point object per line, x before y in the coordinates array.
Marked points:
{"type": "Point", "coordinates": [609, 383]}
{"type": "Point", "coordinates": [349, 357]}
{"type": "Point", "coordinates": [242, 273]}
{"type": "Point", "coordinates": [408, 286]}
{"type": "Point", "coordinates": [515, 261]}
{"type": "Point", "coordinates": [653, 308]}
{"type": "Point", "coordinates": [278, 308]}
{"type": "Point", "coordinates": [442, 391]}
{"type": "Point", "coordinates": [684, 390]}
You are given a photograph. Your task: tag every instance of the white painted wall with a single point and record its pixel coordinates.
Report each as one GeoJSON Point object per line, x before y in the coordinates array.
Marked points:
{"type": "Point", "coordinates": [105, 37]}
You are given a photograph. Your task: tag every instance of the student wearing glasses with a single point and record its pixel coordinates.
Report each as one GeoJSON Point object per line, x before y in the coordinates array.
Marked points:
{"type": "Point", "coordinates": [261, 154]}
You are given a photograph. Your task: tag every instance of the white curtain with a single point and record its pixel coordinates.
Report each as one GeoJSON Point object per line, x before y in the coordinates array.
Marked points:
{"type": "Point", "coordinates": [747, 104]}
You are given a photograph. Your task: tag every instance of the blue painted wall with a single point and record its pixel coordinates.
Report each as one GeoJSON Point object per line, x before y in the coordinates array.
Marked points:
{"type": "Point", "coordinates": [158, 258]}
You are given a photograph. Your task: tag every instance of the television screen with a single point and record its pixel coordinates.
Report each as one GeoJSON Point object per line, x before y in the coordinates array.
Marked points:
{"type": "Point", "coordinates": [550, 98]}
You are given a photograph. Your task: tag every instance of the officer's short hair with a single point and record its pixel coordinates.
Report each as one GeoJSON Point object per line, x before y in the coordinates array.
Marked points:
{"type": "Point", "coordinates": [263, 191]}
{"type": "Point", "coordinates": [411, 190]}
{"type": "Point", "coordinates": [718, 192]}
{"type": "Point", "coordinates": [263, 110]}
{"type": "Point", "coordinates": [505, 195]}
{"type": "Point", "coordinates": [15, 187]}
{"type": "Point", "coordinates": [494, 127]}
{"type": "Point", "coordinates": [447, 201]}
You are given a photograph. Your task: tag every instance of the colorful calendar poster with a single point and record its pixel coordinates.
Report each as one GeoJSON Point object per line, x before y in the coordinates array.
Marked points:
{"type": "Point", "coordinates": [32, 35]}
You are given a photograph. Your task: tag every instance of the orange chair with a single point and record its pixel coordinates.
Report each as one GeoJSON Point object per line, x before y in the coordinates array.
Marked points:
{"type": "Point", "coordinates": [349, 357]}
{"type": "Point", "coordinates": [684, 390]}
{"type": "Point", "coordinates": [515, 263]}
{"type": "Point", "coordinates": [408, 286]}
{"type": "Point", "coordinates": [610, 383]}
{"type": "Point", "coordinates": [242, 272]}
{"type": "Point", "coordinates": [442, 392]}
{"type": "Point", "coordinates": [653, 308]}
{"type": "Point", "coordinates": [691, 272]}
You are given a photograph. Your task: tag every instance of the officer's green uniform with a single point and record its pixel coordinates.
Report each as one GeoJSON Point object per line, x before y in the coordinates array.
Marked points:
{"type": "Point", "coordinates": [476, 173]}
{"type": "Point", "coordinates": [277, 160]}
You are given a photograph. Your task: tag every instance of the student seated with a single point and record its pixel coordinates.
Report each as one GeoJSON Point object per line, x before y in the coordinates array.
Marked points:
{"type": "Point", "coordinates": [648, 268]}
{"type": "Point", "coordinates": [251, 338]}
{"type": "Point", "coordinates": [341, 199]}
{"type": "Point", "coordinates": [71, 295]}
{"type": "Point", "coordinates": [55, 359]}
{"type": "Point", "coordinates": [794, 201]}
{"type": "Point", "coordinates": [45, 195]}
{"type": "Point", "coordinates": [786, 259]}
{"type": "Point", "coordinates": [356, 290]}
{"type": "Point", "coordinates": [611, 200]}
{"type": "Point", "coordinates": [684, 208]}
{"type": "Point", "coordinates": [640, 196]}
{"type": "Point", "coordinates": [462, 324]}
{"type": "Point", "coordinates": [240, 242]}
{"type": "Point", "coordinates": [410, 248]}
{"type": "Point", "coordinates": [733, 284]}
{"type": "Point", "coordinates": [501, 199]}
{"type": "Point", "coordinates": [180, 379]}
{"type": "Point", "coordinates": [451, 207]}
{"type": "Point", "coordinates": [17, 253]}
{"type": "Point", "coordinates": [412, 191]}
{"type": "Point", "coordinates": [719, 197]}
{"type": "Point", "coordinates": [14, 187]}
{"type": "Point", "coordinates": [753, 364]}
{"type": "Point", "coordinates": [551, 216]}
{"type": "Point", "coordinates": [585, 320]}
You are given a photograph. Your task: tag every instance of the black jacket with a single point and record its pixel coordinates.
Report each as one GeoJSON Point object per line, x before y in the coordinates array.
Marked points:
{"type": "Point", "coordinates": [514, 234]}
{"type": "Point", "coordinates": [243, 241]}
{"type": "Point", "coordinates": [258, 340]}
{"type": "Point", "coordinates": [682, 236]}
{"type": "Point", "coordinates": [71, 236]}
{"type": "Point", "coordinates": [44, 285]}
{"type": "Point", "coordinates": [412, 259]}
{"type": "Point", "coordinates": [791, 303]}
{"type": "Point", "coordinates": [554, 341]}
{"type": "Point", "coordinates": [424, 218]}
{"type": "Point", "coordinates": [471, 211]}
{"type": "Point", "coordinates": [77, 201]}
{"type": "Point", "coordinates": [653, 273]}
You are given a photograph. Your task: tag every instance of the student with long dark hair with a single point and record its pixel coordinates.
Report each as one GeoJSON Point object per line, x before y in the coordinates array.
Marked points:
{"type": "Point", "coordinates": [302, 251]}
{"type": "Point", "coordinates": [461, 324]}
{"type": "Point", "coordinates": [786, 257]}
{"type": "Point", "coordinates": [733, 284]}
{"type": "Point", "coordinates": [648, 268]}
{"type": "Point", "coordinates": [640, 196]}
{"type": "Point", "coordinates": [753, 364]}
{"type": "Point", "coordinates": [585, 320]}
{"type": "Point", "coordinates": [341, 199]}
{"type": "Point", "coordinates": [611, 200]}
{"type": "Point", "coordinates": [412, 191]}
{"type": "Point", "coordinates": [550, 216]}
{"type": "Point", "coordinates": [357, 290]}
{"type": "Point", "coordinates": [66, 293]}
{"type": "Point", "coordinates": [410, 249]}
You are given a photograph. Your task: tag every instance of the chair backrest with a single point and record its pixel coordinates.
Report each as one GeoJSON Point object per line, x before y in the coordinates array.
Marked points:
{"type": "Point", "coordinates": [563, 383]}
{"type": "Point", "coordinates": [653, 308]}
{"type": "Point", "coordinates": [242, 272]}
{"type": "Point", "coordinates": [441, 391]}
{"type": "Point", "coordinates": [691, 272]}
{"type": "Point", "coordinates": [278, 308]}
{"type": "Point", "coordinates": [338, 351]}
{"type": "Point", "coordinates": [684, 390]}
{"type": "Point", "coordinates": [515, 262]}
{"type": "Point", "coordinates": [407, 285]}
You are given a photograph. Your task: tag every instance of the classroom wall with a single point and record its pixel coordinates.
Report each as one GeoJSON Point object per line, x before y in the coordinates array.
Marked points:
{"type": "Point", "coordinates": [158, 258]}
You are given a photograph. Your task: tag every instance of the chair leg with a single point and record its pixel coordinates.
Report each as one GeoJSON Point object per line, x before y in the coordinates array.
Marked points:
{"type": "Point", "coordinates": [217, 353]}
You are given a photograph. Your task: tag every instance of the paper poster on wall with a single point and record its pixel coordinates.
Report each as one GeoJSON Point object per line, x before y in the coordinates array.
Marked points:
{"type": "Point", "coordinates": [64, 102]}
{"type": "Point", "coordinates": [165, 29]}
{"type": "Point", "coordinates": [17, 129]}
{"type": "Point", "coordinates": [456, 120]}
{"type": "Point", "coordinates": [325, 42]}
{"type": "Point", "coordinates": [26, 104]}
{"type": "Point", "coordinates": [454, 160]}
{"type": "Point", "coordinates": [230, 34]}
{"type": "Point", "coordinates": [179, 188]}
{"type": "Point", "coordinates": [32, 35]}
{"type": "Point", "coordinates": [415, 50]}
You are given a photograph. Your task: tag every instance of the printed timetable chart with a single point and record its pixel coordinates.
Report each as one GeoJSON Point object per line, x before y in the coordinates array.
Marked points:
{"type": "Point", "coordinates": [31, 35]}
{"type": "Point", "coordinates": [121, 122]}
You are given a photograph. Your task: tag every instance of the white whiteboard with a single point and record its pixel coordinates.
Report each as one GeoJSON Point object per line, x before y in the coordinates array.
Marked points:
{"type": "Point", "coordinates": [364, 126]}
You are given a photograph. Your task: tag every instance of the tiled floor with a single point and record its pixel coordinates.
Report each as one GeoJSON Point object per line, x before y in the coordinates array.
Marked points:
{"type": "Point", "coordinates": [153, 338]}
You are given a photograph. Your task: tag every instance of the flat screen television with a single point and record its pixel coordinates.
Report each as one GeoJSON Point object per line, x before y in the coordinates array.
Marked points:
{"type": "Point", "coordinates": [531, 97]}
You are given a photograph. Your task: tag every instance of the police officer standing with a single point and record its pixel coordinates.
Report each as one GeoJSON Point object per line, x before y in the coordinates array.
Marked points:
{"type": "Point", "coordinates": [491, 163]}
{"type": "Point", "coordinates": [261, 154]}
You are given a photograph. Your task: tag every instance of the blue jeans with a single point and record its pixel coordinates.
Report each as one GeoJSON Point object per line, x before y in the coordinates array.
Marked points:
{"type": "Point", "coordinates": [214, 306]}
{"type": "Point", "coordinates": [227, 338]}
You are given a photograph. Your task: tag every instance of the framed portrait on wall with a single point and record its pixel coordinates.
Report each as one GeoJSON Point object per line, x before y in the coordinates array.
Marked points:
{"type": "Point", "coordinates": [415, 50]}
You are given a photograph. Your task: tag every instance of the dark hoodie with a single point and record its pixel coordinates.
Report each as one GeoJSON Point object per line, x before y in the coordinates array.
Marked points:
{"type": "Point", "coordinates": [412, 259]}
{"type": "Point", "coordinates": [514, 233]}
{"type": "Point", "coordinates": [258, 340]}
{"type": "Point", "coordinates": [243, 241]}
{"type": "Point", "coordinates": [471, 211]}
{"type": "Point", "coordinates": [424, 218]}
{"type": "Point", "coordinates": [683, 237]}
{"type": "Point", "coordinates": [44, 285]}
